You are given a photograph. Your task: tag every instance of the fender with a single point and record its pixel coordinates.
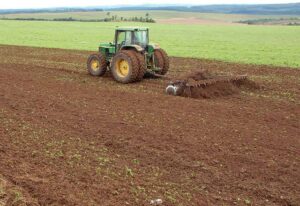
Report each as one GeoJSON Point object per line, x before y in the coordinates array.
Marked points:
{"type": "Point", "coordinates": [134, 46]}
{"type": "Point", "coordinates": [154, 46]}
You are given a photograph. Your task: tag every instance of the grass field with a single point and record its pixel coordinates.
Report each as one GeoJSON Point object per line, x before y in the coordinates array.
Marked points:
{"type": "Point", "coordinates": [272, 45]}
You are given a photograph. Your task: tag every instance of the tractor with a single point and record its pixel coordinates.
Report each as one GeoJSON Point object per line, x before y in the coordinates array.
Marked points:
{"type": "Point", "coordinates": [129, 57]}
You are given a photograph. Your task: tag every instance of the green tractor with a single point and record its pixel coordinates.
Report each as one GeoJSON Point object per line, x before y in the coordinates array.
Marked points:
{"type": "Point", "coordinates": [130, 57]}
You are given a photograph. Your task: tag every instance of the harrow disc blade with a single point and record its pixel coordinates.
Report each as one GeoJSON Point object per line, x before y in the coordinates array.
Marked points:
{"type": "Point", "coordinates": [190, 86]}
{"type": "Point", "coordinates": [207, 82]}
{"type": "Point", "coordinates": [171, 90]}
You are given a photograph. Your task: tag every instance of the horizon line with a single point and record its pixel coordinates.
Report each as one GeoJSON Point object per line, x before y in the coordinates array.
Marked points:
{"type": "Point", "coordinates": [145, 5]}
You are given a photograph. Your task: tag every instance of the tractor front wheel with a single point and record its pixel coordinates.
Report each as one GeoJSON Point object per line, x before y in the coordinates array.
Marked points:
{"type": "Point", "coordinates": [97, 64]}
{"type": "Point", "coordinates": [125, 66]}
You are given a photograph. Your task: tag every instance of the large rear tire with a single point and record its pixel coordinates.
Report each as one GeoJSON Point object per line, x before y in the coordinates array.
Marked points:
{"type": "Point", "coordinates": [142, 66]}
{"type": "Point", "coordinates": [166, 61]}
{"type": "Point", "coordinates": [96, 64]}
{"type": "Point", "coordinates": [125, 66]}
{"type": "Point", "coordinates": [158, 60]}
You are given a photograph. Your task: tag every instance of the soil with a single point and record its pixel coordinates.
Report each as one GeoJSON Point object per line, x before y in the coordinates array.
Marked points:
{"type": "Point", "coordinates": [67, 138]}
{"type": "Point", "coordinates": [11, 194]}
{"type": "Point", "coordinates": [193, 20]}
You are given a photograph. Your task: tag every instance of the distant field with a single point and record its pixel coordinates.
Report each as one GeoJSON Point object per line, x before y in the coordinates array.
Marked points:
{"type": "Point", "coordinates": [273, 45]}
{"type": "Point", "coordinates": [158, 15]}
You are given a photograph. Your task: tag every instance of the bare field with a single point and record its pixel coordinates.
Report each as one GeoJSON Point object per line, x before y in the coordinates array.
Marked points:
{"type": "Point", "coordinates": [193, 20]}
{"type": "Point", "coordinates": [67, 138]}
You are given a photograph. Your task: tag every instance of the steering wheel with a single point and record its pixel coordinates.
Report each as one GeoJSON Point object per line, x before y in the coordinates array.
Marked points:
{"type": "Point", "coordinates": [121, 44]}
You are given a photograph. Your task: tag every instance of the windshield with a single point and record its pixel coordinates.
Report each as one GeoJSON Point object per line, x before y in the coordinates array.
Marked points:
{"type": "Point", "coordinates": [140, 38]}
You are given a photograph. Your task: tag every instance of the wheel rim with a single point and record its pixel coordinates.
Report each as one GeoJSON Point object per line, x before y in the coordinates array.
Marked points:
{"type": "Point", "coordinates": [95, 64]}
{"type": "Point", "coordinates": [122, 68]}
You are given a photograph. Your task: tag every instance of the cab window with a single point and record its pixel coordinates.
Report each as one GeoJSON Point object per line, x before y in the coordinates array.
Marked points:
{"type": "Point", "coordinates": [124, 38]}
{"type": "Point", "coordinates": [140, 38]}
{"type": "Point", "coordinates": [121, 37]}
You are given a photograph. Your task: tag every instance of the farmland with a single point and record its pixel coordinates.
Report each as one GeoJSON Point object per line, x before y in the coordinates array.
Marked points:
{"type": "Point", "coordinates": [276, 45]}
{"type": "Point", "coordinates": [68, 138]}
{"type": "Point", "coordinates": [77, 140]}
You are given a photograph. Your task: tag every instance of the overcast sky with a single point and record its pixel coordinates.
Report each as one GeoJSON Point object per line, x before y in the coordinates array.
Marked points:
{"type": "Point", "coordinates": [15, 4]}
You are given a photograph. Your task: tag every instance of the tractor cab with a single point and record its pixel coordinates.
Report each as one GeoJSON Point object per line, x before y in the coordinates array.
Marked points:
{"type": "Point", "coordinates": [130, 36]}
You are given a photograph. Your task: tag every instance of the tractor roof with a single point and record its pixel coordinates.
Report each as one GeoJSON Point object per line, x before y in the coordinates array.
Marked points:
{"type": "Point", "coordinates": [131, 29]}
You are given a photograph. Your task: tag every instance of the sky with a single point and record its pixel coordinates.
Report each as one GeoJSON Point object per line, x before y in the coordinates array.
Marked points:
{"type": "Point", "coordinates": [17, 4]}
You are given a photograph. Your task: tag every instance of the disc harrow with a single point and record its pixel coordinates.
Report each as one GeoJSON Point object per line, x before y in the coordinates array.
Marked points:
{"type": "Point", "coordinates": [178, 87]}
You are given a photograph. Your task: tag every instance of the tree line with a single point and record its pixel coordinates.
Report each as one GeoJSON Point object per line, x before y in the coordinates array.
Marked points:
{"type": "Point", "coordinates": [109, 18]}
{"type": "Point", "coordinates": [115, 18]}
{"type": "Point", "coordinates": [293, 21]}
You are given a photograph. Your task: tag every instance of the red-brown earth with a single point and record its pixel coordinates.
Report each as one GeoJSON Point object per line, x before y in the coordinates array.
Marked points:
{"type": "Point", "coordinates": [67, 138]}
{"type": "Point", "coordinates": [193, 20]}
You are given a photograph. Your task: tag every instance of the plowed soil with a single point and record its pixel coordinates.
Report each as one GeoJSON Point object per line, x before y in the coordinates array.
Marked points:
{"type": "Point", "coordinates": [67, 138]}
{"type": "Point", "coordinates": [194, 21]}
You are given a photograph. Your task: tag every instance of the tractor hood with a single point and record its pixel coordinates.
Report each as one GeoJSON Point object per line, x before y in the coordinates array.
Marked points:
{"type": "Point", "coordinates": [106, 45]}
